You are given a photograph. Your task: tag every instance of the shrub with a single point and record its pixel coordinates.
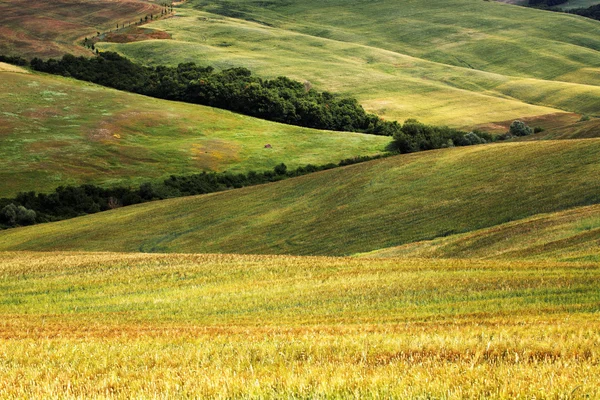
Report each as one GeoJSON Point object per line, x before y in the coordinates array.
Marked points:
{"type": "Point", "coordinates": [8, 215]}
{"type": "Point", "coordinates": [280, 169]}
{"type": "Point", "coordinates": [519, 128]}
{"type": "Point", "coordinates": [469, 139]}
{"type": "Point", "coordinates": [12, 215]}
{"type": "Point", "coordinates": [25, 216]}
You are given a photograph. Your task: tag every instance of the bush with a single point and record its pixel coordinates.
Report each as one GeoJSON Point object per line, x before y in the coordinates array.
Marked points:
{"type": "Point", "coordinates": [519, 128]}
{"type": "Point", "coordinates": [470, 139]}
{"type": "Point", "coordinates": [280, 169]}
{"type": "Point", "coordinates": [415, 136]}
{"type": "Point", "coordinates": [8, 215]}
{"type": "Point", "coordinates": [25, 216]}
{"type": "Point", "coordinates": [12, 215]}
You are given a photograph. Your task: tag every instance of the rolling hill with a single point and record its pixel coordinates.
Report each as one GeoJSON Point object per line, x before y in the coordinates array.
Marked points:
{"type": "Point", "coordinates": [52, 28]}
{"type": "Point", "coordinates": [56, 131]}
{"type": "Point", "coordinates": [455, 62]}
{"type": "Point", "coordinates": [566, 235]}
{"type": "Point", "coordinates": [473, 272]}
{"type": "Point", "coordinates": [359, 208]}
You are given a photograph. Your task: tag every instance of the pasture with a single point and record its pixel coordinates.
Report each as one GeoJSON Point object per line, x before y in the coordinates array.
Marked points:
{"type": "Point", "coordinates": [57, 131]}
{"type": "Point", "coordinates": [568, 235]}
{"type": "Point", "coordinates": [458, 62]}
{"type": "Point", "coordinates": [354, 209]}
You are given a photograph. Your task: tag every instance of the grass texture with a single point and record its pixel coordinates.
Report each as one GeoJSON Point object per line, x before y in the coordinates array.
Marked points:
{"type": "Point", "coordinates": [56, 131]}
{"type": "Point", "coordinates": [456, 62]}
{"type": "Point", "coordinates": [348, 210]}
{"type": "Point", "coordinates": [567, 236]}
{"type": "Point", "coordinates": [219, 326]}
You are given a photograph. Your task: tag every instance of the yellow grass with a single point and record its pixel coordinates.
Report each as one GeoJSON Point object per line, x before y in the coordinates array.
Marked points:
{"type": "Point", "coordinates": [108, 325]}
{"type": "Point", "coordinates": [4, 67]}
{"type": "Point", "coordinates": [567, 235]}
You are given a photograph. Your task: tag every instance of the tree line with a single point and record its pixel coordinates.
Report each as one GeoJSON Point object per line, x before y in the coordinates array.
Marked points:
{"type": "Point", "coordinates": [281, 99]}
{"type": "Point", "coordinates": [592, 12]}
{"type": "Point", "coordinates": [65, 202]}
{"type": "Point", "coordinates": [236, 89]}
{"type": "Point", "coordinates": [545, 3]}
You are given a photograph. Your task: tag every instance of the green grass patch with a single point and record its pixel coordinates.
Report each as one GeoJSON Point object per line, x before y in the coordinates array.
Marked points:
{"type": "Point", "coordinates": [59, 131]}
{"type": "Point", "coordinates": [455, 62]}
{"type": "Point", "coordinates": [354, 209]}
{"type": "Point", "coordinates": [566, 236]}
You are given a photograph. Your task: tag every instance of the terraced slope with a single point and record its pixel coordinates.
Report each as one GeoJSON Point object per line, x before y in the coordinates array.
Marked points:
{"type": "Point", "coordinates": [456, 62]}
{"type": "Point", "coordinates": [348, 210]}
{"type": "Point", "coordinates": [567, 235]}
{"type": "Point", "coordinates": [56, 131]}
{"type": "Point", "coordinates": [87, 325]}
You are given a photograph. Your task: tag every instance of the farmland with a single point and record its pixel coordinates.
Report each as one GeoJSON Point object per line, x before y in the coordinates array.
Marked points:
{"type": "Point", "coordinates": [52, 28]}
{"type": "Point", "coordinates": [568, 235]}
{"type": "Point", "coordinates": [348, 210]}
{"type": "Point", "coordinates": [401, 60]}
{"type": "Point", "coordinates": [133, 325]}
{"type": "Point", "coordinates": [457, 273]}
{"type": "Point", "coordinates": [58, 131]}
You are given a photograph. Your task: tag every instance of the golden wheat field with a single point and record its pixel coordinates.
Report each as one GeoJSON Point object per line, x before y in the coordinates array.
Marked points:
{"type": "Point", "coordinates": [110, 325]}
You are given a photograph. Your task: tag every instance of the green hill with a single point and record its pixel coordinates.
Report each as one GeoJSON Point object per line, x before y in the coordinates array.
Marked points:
{"type": "Point", "coordinates": [57, 131]}
{"type": "Point", "coordinates": [567, 235]}
{"type": "Point", "coordinates": [359, 208]}
{"type": "Point", "coordinates": [456, 62]}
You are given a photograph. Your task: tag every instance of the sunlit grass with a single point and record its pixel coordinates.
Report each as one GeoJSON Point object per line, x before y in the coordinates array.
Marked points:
{"type": "Point", "coordinates": [58, 131]}
{"type": "Point", "coordinates": [567, 235]}
{"type": "Point", "coordinates": [360, 208]}
{"type": "Point", "coordinates": [456, 62]}
{"type": "Point", "coordinates": [122, 326]}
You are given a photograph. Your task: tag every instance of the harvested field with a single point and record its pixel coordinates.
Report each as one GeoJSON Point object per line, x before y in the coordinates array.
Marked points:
{"type": "Point", "coordinates": [51, 28]}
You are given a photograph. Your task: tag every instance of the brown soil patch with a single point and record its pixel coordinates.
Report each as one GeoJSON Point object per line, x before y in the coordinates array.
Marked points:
{"type": "Point", "coordinates": [136, 34]}
{"type": "Point", "coordinates": [103, 134]}
{"type": "Point", "coordinates": [547, 121]}
{"type": "Point", "coordinates": [51, 28]}
{"type": "Point", "coordinates": [42, 113]}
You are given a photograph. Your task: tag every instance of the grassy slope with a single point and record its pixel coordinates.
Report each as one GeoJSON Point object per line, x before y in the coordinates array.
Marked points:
{"type": "Point", "coordinates": [458, 62]}
{"type": "Point", "coordinates": [554, 126]}
{"type": "Point", "coordinates": [567, 235]}
{"type": "Point", "coordinates": [51, 28]}
{"type": "Point", "coordinates": [221, 326]}
{"type": "Point", "coordinates": [56, 131]}
{"type": "Point", "coordinates": [348, 210]}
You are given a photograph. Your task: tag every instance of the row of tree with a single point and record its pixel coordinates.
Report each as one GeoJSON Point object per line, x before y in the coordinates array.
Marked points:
{"type": "Point", "coordinates": [545, 3]}
{"type": "Point", "coordinates": [280, 99]}
{"type": "Point", "coordinates": [65, 202]}
{"type": "Point", "coordinates": [236, 89]}
{"type": "Point", "coordinates": [415, 136]}
{"type": "Point", "coordinates": [592, 12]}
